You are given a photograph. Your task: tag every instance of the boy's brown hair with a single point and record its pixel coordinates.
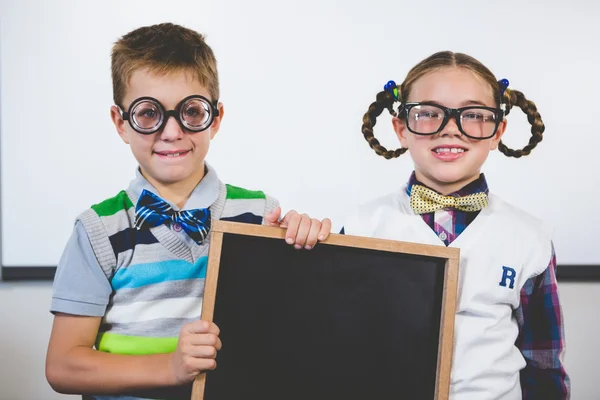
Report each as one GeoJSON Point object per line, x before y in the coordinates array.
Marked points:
{"type": "Point", "coordinates": [163, 49]}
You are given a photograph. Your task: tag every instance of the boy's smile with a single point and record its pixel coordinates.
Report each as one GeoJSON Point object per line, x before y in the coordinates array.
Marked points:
{"type": "Point", "coordinates": [172, 154]}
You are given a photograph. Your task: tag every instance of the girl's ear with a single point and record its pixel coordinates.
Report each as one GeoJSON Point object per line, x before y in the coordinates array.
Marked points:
{"type": "Point", "coordinates": [498, 136]}
{"type": "Point", "coordinates": [401, 131]}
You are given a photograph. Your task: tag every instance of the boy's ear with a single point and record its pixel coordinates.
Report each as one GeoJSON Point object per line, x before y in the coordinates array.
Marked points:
{"type": "Point", "coordinates": [401, 131]}
{"type": "Point", "coordinates": [115, 115]}
{"type": "Point", "coordinates": [214, 128]}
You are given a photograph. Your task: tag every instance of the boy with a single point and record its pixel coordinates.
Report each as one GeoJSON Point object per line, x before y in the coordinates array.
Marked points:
{"type": "Point", "coordinates": [130, 281]}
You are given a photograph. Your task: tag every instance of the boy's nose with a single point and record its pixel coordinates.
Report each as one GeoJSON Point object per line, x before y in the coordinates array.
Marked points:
{"type": "Point", "coordinates": [172, 130]}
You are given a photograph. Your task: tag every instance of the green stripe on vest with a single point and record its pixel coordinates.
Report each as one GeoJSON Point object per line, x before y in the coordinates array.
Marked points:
{"type": "Point", "coordinates": [136, 345]}
{"type": "Point", "coordinates": [237, 193]}
{"type": "Point", "coordinates": [113, 205]}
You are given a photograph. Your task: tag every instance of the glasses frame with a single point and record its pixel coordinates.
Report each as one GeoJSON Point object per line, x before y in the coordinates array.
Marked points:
{"type": "Point", "coordinates": [175, 113]}
{"type": "Point", "coordinates": [404, 109]}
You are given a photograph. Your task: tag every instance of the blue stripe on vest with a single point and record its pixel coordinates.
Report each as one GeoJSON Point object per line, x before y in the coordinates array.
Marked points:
{"type": "Point", "coordinates": [139, 275]}
{"type": "Point", "coordinates": [128, 238]}
{"type": "Point", "coordinates": [247, 218]}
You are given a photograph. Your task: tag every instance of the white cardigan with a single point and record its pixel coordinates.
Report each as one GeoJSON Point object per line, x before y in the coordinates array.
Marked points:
{"type": "Point", "coordinates": [500, 250]}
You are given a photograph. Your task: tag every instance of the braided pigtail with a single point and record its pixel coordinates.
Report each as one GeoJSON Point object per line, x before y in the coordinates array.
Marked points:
{"type": "Point", "coordinates": [384, 101]}
{"type": "Point", "coordinates": [512, 98]}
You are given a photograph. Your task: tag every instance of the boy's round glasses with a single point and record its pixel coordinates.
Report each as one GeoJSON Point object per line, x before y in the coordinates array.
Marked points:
{"type": "Point", "coordinates": [146, 115]}
{"type": "Point", "coordinates": [475, 122]}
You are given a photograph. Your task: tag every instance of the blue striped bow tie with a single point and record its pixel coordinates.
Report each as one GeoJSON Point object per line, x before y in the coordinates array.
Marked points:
{"type": "Point", "coordinates": [152, 211]}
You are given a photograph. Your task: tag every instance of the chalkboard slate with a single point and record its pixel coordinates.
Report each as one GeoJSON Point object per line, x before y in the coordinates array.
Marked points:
{"type": "Point", "coordinates": [353, 318]}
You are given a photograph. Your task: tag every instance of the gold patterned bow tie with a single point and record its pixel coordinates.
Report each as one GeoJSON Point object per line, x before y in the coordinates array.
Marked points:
{"type": "Point", "coordinates": [424, 200]}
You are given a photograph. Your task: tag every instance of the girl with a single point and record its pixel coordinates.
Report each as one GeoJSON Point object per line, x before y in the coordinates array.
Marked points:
{"type": "Point", "coordinates": [509, 335]}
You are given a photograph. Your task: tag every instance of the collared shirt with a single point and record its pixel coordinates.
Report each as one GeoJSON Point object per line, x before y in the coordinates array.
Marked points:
{"type": "Point", "coordinates": [203, 196]}
{"type": "Point", "coordinates": [449, 223]}
{"type": "Point", "coordinates": [539, 316]}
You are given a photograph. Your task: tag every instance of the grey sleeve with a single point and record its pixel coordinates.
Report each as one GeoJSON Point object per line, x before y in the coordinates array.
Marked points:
{"type": "Point", "coordinates": [80, 286]}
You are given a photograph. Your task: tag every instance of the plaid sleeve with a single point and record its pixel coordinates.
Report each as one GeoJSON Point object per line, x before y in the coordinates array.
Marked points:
{"type": "Point", "coordinates": [541, 338]}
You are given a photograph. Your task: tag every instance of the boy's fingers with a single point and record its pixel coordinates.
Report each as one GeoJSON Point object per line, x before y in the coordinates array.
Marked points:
{"type": "Point", "coordinates": [203, 350]}
{"type": "Point", "coordinates": [292, 228]}
{"type": "Point", "coordinates": [325, 229]}
{"type": "Point", "coordinates": [285, 221]}
{"type": "Point", "coordinates": [199, 364]}
{"type": "Point", "coordinates": [302, 233]}
{"type": "Point", "coordinates": [203, 339]}
{"type": "Point", "coordinates": [313, 234]}
{"type": "Point", "coordinates": [201, 326]}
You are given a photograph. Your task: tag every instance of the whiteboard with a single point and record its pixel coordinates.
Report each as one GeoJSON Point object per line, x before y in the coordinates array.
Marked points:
{"type": "Point", "coordinates": [296, 79]}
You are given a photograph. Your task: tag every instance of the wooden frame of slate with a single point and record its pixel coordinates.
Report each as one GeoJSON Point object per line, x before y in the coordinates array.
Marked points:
{"type": "Point", "coordinates": [353, 318]}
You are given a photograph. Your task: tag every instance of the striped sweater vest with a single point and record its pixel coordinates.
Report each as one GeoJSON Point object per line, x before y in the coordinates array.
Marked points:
{"type": "Point", "coordinates": [157, 280]}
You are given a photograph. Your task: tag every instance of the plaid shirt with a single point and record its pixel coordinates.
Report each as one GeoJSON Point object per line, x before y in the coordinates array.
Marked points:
{"type": "Point", "coordinates": [541, 332]}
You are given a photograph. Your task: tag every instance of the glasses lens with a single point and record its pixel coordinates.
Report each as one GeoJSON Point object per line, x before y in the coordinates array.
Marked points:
{"type": "Point", "coordinates": [425, 119]}
{"type": "Point", "coordinates": [147, 115]}
{"type": "Point", "coordinates": [196, 114]}
{"type": "Point", "coordinates": [478, 122]}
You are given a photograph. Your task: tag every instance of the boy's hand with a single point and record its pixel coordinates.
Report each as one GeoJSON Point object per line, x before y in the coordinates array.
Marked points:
{"type": "Point", "coordinates": [302, 231]}
{"type": "Point", "coordinates": [196, 350]}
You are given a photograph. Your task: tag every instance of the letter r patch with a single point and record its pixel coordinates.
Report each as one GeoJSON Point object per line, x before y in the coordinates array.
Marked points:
{"type": "Point", "coordinates": [508, 274]}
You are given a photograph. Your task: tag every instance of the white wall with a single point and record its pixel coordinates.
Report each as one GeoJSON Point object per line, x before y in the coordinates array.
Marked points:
{"type": "Point", "coordinates": [24, 336]}
{"type": "Point", "coordinates": [296, 78]}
